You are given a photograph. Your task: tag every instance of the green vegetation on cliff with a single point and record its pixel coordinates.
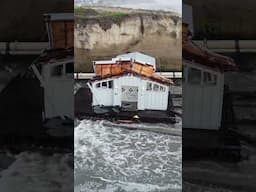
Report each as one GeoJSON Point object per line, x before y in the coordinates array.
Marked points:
{"type": "Point", "coordinates": [104, 32]}
{"type": "Point", "coordinates": [92, 14]}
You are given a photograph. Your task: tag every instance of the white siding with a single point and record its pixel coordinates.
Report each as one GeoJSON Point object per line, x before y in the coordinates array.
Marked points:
{"type": "Point", "coordinates": [130, 80]}
{"type": "Point", "coordinates": [147, 100]}
{"type": "Point", "coordinates": [156, 100]}
{"type": "Point", "coordinates": [103, 95]}
{"type": "Point", "coordinates": [58, 97]}
{"type": "Point", "coordinates": [202, 103]}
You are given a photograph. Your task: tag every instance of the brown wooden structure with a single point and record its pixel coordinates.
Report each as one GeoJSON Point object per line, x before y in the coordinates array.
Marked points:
{"type": "Point", "coordinates": [123, 66]}
{"type": "Point", "coordinates": [60, 27]}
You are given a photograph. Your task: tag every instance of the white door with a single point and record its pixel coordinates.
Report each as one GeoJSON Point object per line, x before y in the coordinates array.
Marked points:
{"type": "Point", "coordinates": [192, 94]}
{"type": "Point", "coordinates": [58, 90]}
{"type": "Point", "coordinates": [202, 98]}
{"type": "Point", "coordinates": [129, 98]}
{"type": "Point", "coordinates": [211, 100]}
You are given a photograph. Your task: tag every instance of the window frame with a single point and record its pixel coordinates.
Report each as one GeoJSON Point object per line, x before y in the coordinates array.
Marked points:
{"type": "Point", "coordinates": [157, 89]}
{"type": "Point", "coordinates": [61, 71]}
{"type": "Point", "coordinates": [110, 84]}
{"type": "Point", "coordinates": [149, 86]}
{"type": "Point", "coordinates": [189, 71]}
{"type": "Point", "coordinates": [105, 86]}
{"type": "Point", "coordinates": [98, 85]}
{"type": "Point", "coordinates": [162, 88]}
{"type": "Point", "coordinates": [213, 78]}
{"type": "Point", "coordinates": [65, 70]}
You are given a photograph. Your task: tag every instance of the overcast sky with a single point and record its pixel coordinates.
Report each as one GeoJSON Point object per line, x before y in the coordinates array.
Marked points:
{"type": "Point", "coordinates": [173, 5]}
{"type": "Point", "coordinates": [170, 5]}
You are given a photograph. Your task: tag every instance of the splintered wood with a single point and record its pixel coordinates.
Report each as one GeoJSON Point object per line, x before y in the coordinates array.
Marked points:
{"type": "Point", "coordinates": [195, 53]}
{"type": "Point", "coordinates": [121, 67]}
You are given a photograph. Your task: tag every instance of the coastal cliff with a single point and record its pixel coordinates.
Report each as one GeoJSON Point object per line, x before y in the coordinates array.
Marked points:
{"type": "Point", "coordinates": [101, 35]}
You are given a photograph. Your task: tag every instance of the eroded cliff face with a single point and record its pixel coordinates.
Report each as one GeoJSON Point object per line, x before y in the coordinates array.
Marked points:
{"type": "Point", "coordinates": [158, 35]}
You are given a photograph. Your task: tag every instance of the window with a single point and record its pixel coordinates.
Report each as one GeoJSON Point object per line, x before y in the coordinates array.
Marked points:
{"type": "Point", "coordinates": [104, 84]}
{"type": "Point", "coordinates": [194, 76]}
{"type": "Point", "coordinates": [210, 79]}
{"type": "Point", "coordinates": [156, 87]}
{"type": "Point", "coordinates": [57, 71]}
{"type": "Point", "coordinates": [149, 86]}
{"type": "Point", "coordinates": [69, 68]}
{"type": "Point", "coordinates": [162, 88]}
{"type": "Point", "coordinates": [98, 85]}
{"type": "Point", "coordinates": [110, 84]}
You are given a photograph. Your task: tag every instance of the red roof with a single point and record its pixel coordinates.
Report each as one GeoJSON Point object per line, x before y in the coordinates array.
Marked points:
{"type": "Point", "coordinates": [192, 52]}
{"type": "Point", "coordinates": [154, 77]}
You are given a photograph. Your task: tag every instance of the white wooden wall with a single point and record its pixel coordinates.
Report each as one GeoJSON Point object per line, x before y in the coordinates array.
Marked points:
{"type": "Point", "coordinates": [102, 95]}
{"type": "Point", "coordinates": [128, 80]}
{"type": "Point", "coordinates": [150, 100]}
{"type": "Point", "coordinates": [156, 100]}
{"type": "Point", "coordinates": [58, 97]}
{"type": "Point", "coordinates": [202, 103]}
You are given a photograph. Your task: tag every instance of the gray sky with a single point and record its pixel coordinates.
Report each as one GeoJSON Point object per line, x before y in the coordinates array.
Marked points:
{"type": "Point", "coordinates": [170, 5]}
{"type": "Point", "coordinates": [173, 5]}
